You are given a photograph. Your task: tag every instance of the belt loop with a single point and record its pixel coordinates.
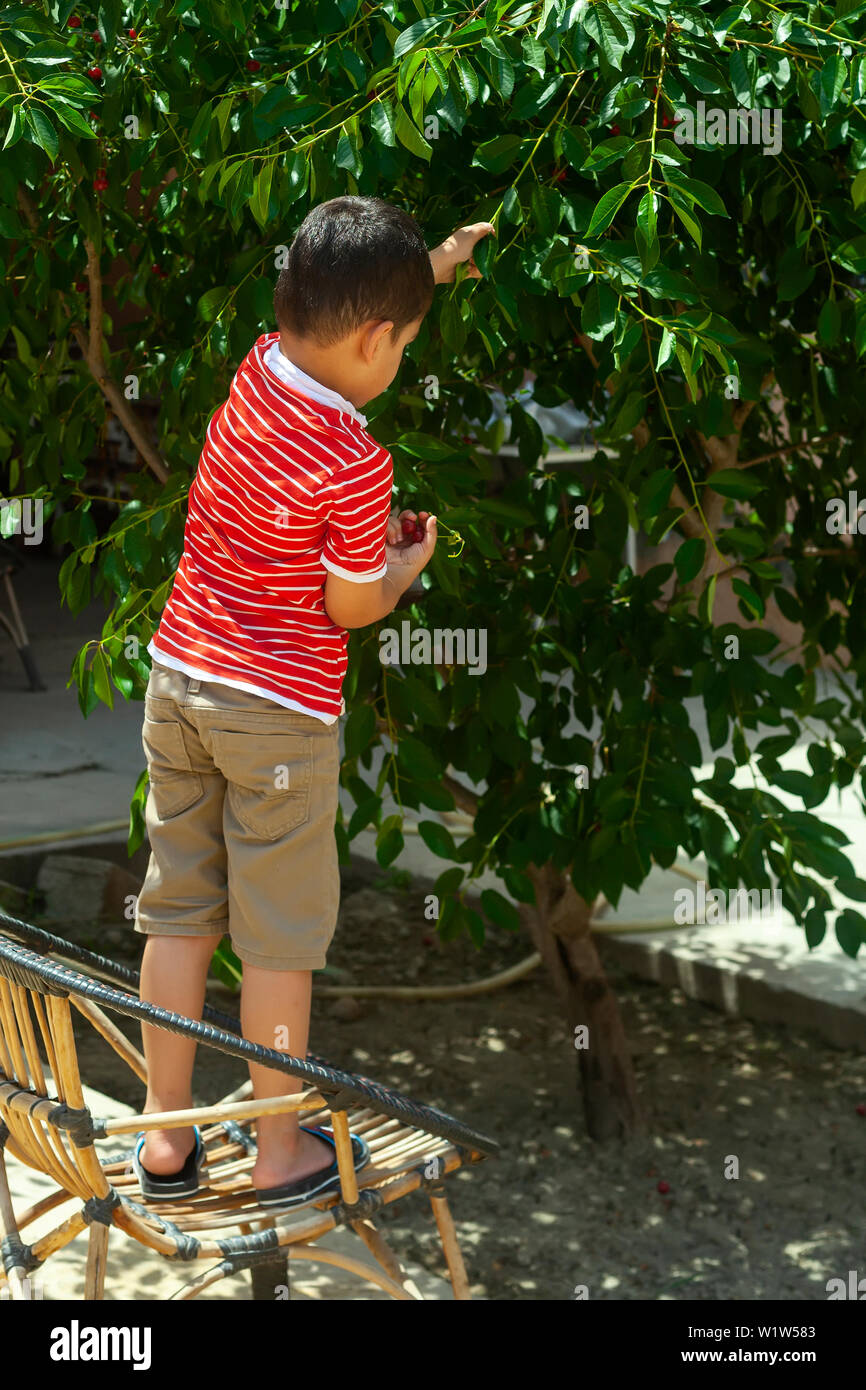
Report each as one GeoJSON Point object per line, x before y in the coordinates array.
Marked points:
{"type": "Point", "coordinates": [194, 687]}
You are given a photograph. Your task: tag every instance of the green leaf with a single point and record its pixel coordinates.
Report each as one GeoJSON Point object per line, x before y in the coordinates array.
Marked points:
{"type": "Point", "coordinates": [706, 603]}
{"type": "Point", "coordinates": [750, 598]}
{"type": "Point", "coordinates": [409, 135]}
{"type": "Point", "coordinates": [735, 482]}
{"type": "Point", "coordinates": [601, 24]}
{"type": "Point", "coordinates": [415, 34]}
{"type": "Point", "coordinates": [829, 322]}
{"type": "Point", "coordinates": [697, 192]}
{"type": "Point", "coordinates": [511, 208]}
{"type": "Point", "coordinates": [437, 839]}
{"type": "Point", "coordinates": [850, 930]}
{"type": "Point", "coordinates": [833, 77]}
{"type": "Point", "coordinates": [467, 78]}
{"type": "Point", "coordinates": [496, 155]}
{"type": "Point", "coordinates": [16, 127]}
{"type": "Point", "coordinates": [212, 302]}
{"type": "Point", "coordinates": [389, 845]}
{"type": "Point", "coordinates": [689, 558]}
{"type": "Point", "coordinates": [607, 207]}
{"type": "Point", "coordinates": [44, 133]}
{"type": "Point", "coordinates": [534, 54]}
{"type": "Point", "coordinates": [360, 730]}
{"type": "Point", "coordinates": [858, 188]}
{"type": "Point", "coordinates": [667, 348]}
{"type": "Point", "coordinates": [46, 54]}
{"type": "Point", "coordinates": [686, 216]}
{"type": "Point", "coordinates": [500, 910]}
{"type": "Point", "coordinates": [74, 121]}
{"type": "Point", "coordinates": [101, 682]}
{"type": "Point", "coordinates": [260, 201]}
{"type": "Point", "coordinates": [646, 215]}
{"type": "Point", "coordinates": [181, 367]}
{"type": "Point", "coordinates": [382, 121]}
{"type": "Point", "coordinates": [135, 548]}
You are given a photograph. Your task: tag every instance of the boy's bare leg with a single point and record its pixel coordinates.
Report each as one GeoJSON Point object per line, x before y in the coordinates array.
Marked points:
{"type": "Point", "coordinates": [275, 1012]}
{"type": "Point", "coordinates": [174, 976]}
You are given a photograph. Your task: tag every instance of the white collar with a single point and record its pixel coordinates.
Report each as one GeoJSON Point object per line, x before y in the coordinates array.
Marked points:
{"type": "Point", "coordinates": [276, 359]}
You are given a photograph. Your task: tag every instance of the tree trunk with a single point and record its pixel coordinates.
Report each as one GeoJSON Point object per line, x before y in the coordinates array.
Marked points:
{"type": "Point", "coordinates": [560, 927]}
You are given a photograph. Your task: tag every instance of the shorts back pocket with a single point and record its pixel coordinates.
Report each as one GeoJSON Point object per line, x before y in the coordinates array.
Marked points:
{"type": "Point", "coordinates": [268, 777]}
{"type": "Point", "coordinates": [173, 783]}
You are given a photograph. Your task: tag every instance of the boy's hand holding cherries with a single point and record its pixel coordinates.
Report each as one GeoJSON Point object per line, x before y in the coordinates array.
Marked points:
{"type": "Point", "coordinates": [410, 538]}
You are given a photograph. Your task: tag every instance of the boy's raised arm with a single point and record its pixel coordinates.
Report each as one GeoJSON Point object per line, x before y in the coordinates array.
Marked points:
{"type": "Point", "coordinates": [456, 249]}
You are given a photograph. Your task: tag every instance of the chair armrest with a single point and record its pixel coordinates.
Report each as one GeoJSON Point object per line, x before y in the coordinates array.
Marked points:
{"type": "Point", "coordinates": [213, 1114]}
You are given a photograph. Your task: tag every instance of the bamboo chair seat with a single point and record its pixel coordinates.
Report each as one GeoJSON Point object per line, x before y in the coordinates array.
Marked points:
{"type": "Point", "coordinates": [45, 1123]}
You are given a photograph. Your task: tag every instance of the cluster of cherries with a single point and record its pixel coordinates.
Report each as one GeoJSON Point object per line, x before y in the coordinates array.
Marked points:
{"type": "Point", "coordinates": [412, 530]}
{"type": "Point", "coordinates": [95, 73]}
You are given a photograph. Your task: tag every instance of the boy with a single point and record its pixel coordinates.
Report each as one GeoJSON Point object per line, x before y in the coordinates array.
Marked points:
{"type": "Point", "coordinates": [290, 540]}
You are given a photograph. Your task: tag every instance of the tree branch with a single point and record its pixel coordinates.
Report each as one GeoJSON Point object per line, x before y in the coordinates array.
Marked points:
{"type": "Point", "coordinates": [790, 449]}
{"type": "Point", "coordinates": [91, 350]}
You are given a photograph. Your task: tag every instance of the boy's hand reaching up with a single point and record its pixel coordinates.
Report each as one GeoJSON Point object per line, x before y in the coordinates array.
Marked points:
{"type": "Point", "coordinates": [456, 249]}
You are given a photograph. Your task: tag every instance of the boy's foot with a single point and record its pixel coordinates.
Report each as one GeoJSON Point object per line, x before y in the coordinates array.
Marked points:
{"type": "Point", "coordinates": [318, 1183]}
{"type": "Point", "coordinates": [166, 1150]}
{"type": "Point", "coordinates": [311, 1156]}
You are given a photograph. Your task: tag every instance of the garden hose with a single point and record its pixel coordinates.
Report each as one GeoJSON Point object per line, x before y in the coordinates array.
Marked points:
{"type": "Point", "coordinates": [432, 992]}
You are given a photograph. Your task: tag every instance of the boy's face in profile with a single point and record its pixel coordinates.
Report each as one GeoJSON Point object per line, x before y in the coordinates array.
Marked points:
{"type": "Point", "coordinates": [382, 353]}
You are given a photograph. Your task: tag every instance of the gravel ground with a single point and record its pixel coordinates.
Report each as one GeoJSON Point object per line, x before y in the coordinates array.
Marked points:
{"type": "Point", "coordinates": [557, 1211]}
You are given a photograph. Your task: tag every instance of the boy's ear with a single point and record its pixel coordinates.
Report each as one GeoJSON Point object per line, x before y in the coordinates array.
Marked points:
{"type": "Point", "coordinates": [373, 335]}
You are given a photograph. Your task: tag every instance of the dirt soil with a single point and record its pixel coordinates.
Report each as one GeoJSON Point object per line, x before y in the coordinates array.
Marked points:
{"type": "Point", "coordinates": [556, 1211]}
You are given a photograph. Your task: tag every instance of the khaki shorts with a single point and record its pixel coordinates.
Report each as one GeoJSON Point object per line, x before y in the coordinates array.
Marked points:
{"type": "Point", "coordinates": [240, 815]}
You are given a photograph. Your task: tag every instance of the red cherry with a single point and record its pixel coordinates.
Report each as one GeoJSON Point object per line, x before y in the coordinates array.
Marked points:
{"type": "Point", "coordinates": [95, 74]}
{"type": "Point", "coordinates": [664, 1187]}
{"type": "Point", "coordinates": [655, 91]}
{"type": "Point", "coordinates": [561, 175]}
{"type": "Point", "coordinates": [96, 36]}
{"type": "Point", "coordinates": [81, 286]}
{"type": "Point", "coordinates": [94, 115]}
{"type": "Point", "coordinates": [861, 1109]}
{"type": "Point", "coordinates": [133, 33]}
{"type": "Point", "coordinates": [419, 533]}
{"type": "Point", "coordinates": [252, 65]}
{"type": "Point", "coordinates": [73, 22]}
{"type": "Point", "coordinates": [407, 526]}
{"type": "Point", "coordinates": [614, 129]}
{"type": "Point", "coordinates": [101, 185]}
{"type": "Point", "coordinates": [666, 120]}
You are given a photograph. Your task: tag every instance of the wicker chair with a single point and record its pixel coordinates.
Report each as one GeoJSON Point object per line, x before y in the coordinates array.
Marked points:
{"type": "Point", "coordinates": [45, 1123]}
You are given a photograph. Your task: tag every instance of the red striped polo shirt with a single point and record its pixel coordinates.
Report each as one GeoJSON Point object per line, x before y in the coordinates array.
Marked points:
{"type": "Point", "coordinates": [289, 486]}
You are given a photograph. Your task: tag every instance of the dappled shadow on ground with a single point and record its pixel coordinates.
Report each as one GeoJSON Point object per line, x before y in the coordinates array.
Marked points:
{"type": "Point", "coordinates": [556, 1211]}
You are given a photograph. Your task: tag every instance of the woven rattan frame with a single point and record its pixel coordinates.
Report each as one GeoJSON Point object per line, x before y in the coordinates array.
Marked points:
{"type": "Point", "coordinates": [48, 1126]}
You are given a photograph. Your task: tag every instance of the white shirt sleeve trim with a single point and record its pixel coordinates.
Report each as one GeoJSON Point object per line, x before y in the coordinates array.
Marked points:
{"type": "Point", "coordinates": [354, 578]}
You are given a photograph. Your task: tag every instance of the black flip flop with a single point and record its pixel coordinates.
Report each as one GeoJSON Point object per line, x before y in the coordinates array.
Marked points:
{"type": "Point", "coordinates": [164, 1186]}
{"type": "Point", "coordinates": [296, 1194]}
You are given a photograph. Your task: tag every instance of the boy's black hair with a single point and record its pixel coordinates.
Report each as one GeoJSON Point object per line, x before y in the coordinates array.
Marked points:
{"type": "Point", "coordinates": [352, 260]}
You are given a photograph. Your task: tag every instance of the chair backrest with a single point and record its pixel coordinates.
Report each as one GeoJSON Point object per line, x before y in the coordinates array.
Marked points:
{"type": "Point", "coordinates": [46, 1123]}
